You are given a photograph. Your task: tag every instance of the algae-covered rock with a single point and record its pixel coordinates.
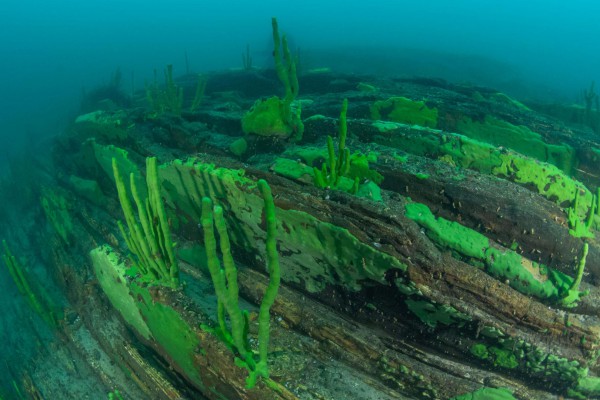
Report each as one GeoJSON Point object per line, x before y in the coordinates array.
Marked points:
{"type": "Point", "coordinates": [271, 117]}
{"type": "Point", "coordinates": [401, 109]}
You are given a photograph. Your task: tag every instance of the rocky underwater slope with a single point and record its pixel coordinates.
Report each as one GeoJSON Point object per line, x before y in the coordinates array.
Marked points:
{"type": "Point", "coordinates": [356, 238]}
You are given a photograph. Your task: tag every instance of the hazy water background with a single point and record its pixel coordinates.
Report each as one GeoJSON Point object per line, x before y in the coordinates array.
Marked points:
{"type": "Point", "coordinates": [52, 50]}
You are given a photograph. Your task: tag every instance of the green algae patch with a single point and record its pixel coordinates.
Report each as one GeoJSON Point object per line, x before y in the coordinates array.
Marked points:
{"type": "Point", "coordinates": [104, 156]}
{"type": "Point", "coordinates": [315, 254]}
{"type": "Point", "coordinates": [334, 254]}
{"type": "Point", "coordinates": [238, 147]}
{"type": "Point", "coordinates": [100, 124]}
{"type": "Point", "coordinates": [519, 138]}
{"type": "Point", "coordinates": [503, 98]}
{"type": "Point", "coordinates": [268, 118]}
{"type": "Point", "coordinates": [113, 277]}
{"type": "Point", "coordinates": [88, 189]}
{"type": "Point", "coordinates": [480, 351]}
{"type": "Point", "coordinates": [528, 277]}
{"type": "Point", "coordinates": [433, 314]}
{"type": "Point", "coordinates": [503, 358]}
{"type": "Point", "coordinates": [587, 387]}
{"type": "Point", "coordinates": [487, 394]}
{"type": "Point", "coordinates": [151, 319]}
{"type": "Point", "coordinates": [293, 169]}
{"type": "Point", "coordinates": [522, 274]}
{"type": "Point", "coordinates": [174, 335]}
{"type": "Point", "coordinates": [546, 179]}
{"type": "Point", "coordinates": [401, 109]}
{"type": "Point", "coordinates": [501, 351]}
{"type": "Point", "coordinates": [452, 234]}
{"type": "Point", "coordinates": [185, 183]}
{"type": "Point", "coordinates": [193, 254]}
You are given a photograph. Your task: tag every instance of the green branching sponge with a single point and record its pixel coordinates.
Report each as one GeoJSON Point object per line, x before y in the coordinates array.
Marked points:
{"type": "Point", "coordinates": [226, 287]}
{"type": "Point", "coordinates": [342, 170]}
{"type": "Point", "coordinates": [573, 294]}
{"type": "Point", "coordinates": [274, 280]}
{"type": "Point", "coordinates": [39, 303]}
{"type": "Point", "coordinates": [150, 239]}
{"type": "Point", "coordinates": [577, 226]}
{"type": "Point", "coordinates": [275, 117]}
{"type": "Point", "coordinates": [168, 99]}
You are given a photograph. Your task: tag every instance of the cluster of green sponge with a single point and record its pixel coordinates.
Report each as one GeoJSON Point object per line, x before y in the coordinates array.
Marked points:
{"type": "Point", "coordinates": [150, 238]}
{"type": "Point", "coordinates": [225, 284]}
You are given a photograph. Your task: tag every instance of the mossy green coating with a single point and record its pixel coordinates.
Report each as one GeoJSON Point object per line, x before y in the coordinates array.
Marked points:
{"type": "Point", "coordinates": [401, 109]}
{"type": "Point", "coordinates": [366, 88]}
{"type": "Point", "coordinates": [487, 394]}
{"type": "Point", "coordinates": [334, 254]}
{"type": "Point", "coordinates": [103, 125]}
{"type": "Point", "coordinates": [293, 169]}
{"type": "Point", "coordinates": [186, 183]}
{"type": "Point", "coordinates": [266, 118]}
{"type": "Point", "coordinates": [174, 335]}
{"type": "Point", "coordinates": [88, 189]}
{"type": "Point", "coordinates": [549, 180]}
{"type": "Point", "coordinates": [149, 318]}
{"type": "Point", "coordinates": [503, 98]}
{"type": "Point", "coordinates": [433, 314]}
{"type": "Point", "coordinates": [113, 278]}
{"type": "Point", "coordinates": [193, 254]}
{"type": "Point", "coordinates": [104, 156]}
{"type": "Point", "coordinates": [502, 351]}
{"type": "Point", "coordinates": [526, 276]}
{"type": "Point", "coordinates": [519, 138]}
{"type": "Point", "coordinates": [239, 147]}
{"type": "Point", "coordinates": [589, 386]}
{"type": "Point", "coordinates": [503, 358]}
{"type": "Point", "coordinates": [452, 234]}
{"type": "Point", "coordinates": [480, 351]}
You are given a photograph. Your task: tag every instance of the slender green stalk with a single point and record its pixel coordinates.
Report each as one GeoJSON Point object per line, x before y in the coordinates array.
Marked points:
{"type": "Point", "coordinates": [274, 277]}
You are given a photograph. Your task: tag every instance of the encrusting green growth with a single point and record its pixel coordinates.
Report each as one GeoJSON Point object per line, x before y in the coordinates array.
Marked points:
{"type": "Point", "coordinates": [525, 276]}
{"type": "Point", "coordinates": [275, 117]}
{"type": "Point", "coordinates": [401, 109]}
{"type": "Point", "coordinates": [36, 302]}
{"type": "Point", "coordinates": [115, 395]}
{"type": "Point", "coordinates": [226, 287]}
{"type": "Point", "coordinates": [150, 239]}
